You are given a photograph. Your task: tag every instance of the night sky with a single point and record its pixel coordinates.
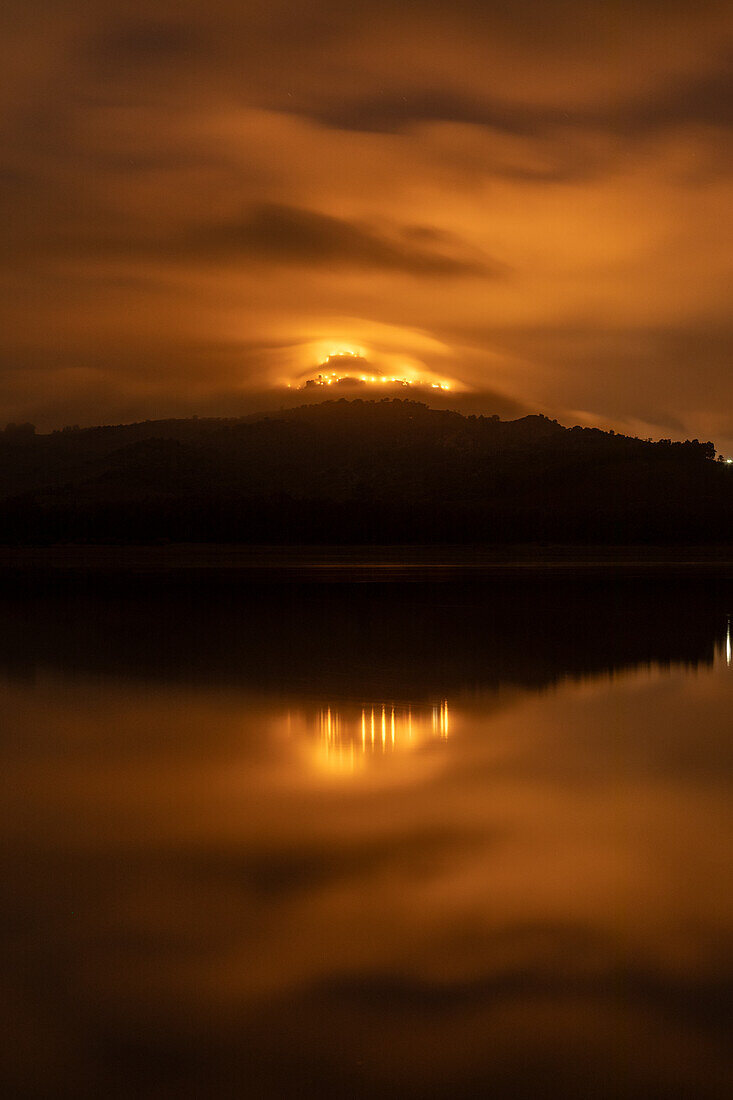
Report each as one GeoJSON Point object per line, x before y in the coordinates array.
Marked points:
{"type": "Point", "coordinates": [529, 199]}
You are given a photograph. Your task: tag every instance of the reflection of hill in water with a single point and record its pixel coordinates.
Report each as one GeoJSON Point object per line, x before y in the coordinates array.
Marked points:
{"type": "Point", "coordinates": [411, 642]}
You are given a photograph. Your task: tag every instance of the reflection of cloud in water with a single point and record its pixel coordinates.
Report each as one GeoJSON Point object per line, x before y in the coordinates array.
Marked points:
{"type": "Point", "coordinates": [191, 910]}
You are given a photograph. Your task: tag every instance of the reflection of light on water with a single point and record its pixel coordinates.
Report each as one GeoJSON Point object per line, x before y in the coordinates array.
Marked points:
{"type": "Point", "coordinates": [440, 720]}
{"type": "Point", "coordinates": [348, 738]}
{"type": "Point", "coordinates": [724, 647]}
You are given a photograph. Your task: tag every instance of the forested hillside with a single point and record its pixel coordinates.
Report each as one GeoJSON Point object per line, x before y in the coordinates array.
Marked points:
{"type": "Point", "coordinates": [359, 471]}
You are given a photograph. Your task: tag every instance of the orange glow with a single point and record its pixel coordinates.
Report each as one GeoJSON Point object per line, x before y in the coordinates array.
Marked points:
{"type": "Point", "coordinates": [555, 257]}
{"type": "Point", "coordinates": [347, 738]}
{"type": "Point", "coordinates": [374, 380]}
{"type": "Point", "coordinates": [355, 366]}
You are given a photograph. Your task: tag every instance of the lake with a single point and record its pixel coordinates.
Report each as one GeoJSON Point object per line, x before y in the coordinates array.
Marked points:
{"type": "Point", "coordinates": [454, 839]}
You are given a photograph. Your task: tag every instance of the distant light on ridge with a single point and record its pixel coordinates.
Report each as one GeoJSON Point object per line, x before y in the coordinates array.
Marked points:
{"type": "Point", "coordinates": [344, 375]}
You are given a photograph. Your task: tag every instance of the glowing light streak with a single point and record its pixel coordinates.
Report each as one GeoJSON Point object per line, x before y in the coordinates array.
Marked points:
{"type": "Point", "coordinates": [347, 739]}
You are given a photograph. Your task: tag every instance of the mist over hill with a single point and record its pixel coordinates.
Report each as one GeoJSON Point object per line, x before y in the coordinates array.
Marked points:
{"type": "Point", "coordinates": [359, 471]}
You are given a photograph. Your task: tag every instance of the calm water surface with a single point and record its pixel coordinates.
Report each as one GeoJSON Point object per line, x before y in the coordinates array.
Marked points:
{"type": "Point", "coordinates": [367, 841]}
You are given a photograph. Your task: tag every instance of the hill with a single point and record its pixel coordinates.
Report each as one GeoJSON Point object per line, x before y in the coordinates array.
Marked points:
{"type": "Point", "coordinates": [359, 471]}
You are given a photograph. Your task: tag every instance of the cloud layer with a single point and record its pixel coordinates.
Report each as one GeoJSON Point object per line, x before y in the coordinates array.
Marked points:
{"type": "Point", "coordinates": [530, 198]}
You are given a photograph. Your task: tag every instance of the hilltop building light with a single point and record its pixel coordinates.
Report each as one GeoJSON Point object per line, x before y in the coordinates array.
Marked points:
{"type": "Point", "coordinates": [333, 378]}
{"type": "Point", "coordinates": [349, 368]}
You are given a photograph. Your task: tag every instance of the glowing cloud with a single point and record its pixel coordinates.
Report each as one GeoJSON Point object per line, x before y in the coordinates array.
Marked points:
{"type": "Point", "coordinates": [350, 368]}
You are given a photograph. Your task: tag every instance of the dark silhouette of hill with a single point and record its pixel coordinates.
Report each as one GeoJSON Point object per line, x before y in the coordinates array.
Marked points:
{"type": "Point", "coordinates": [359, 471]}
{"type": "Point", "coordinates": [416, 642]}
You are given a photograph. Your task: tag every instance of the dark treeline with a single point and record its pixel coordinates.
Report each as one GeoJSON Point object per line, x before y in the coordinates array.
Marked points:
{"type": "Point", "coordinates": [360, 472]}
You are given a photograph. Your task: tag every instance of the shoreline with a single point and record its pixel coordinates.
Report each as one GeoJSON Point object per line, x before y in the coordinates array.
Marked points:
{"type": "Point", "coordinates": [363, 564]}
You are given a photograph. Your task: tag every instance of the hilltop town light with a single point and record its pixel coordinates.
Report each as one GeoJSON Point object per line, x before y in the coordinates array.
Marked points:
{"type": "Point", "coordinates": [348, 366]}
{"type": "Point", "coordinates": [325, 379]}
